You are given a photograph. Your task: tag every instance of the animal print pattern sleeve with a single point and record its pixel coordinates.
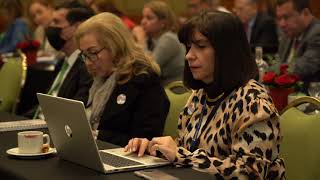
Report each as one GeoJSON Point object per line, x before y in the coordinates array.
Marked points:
{"type": "Point", "coordinates": [241, 142]}
{"type": "Point", "coordinates": [181, 126]}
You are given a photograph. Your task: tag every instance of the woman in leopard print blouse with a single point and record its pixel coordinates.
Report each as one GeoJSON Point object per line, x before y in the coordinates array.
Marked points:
{"type": "Point", "coordinates": [229, 126]}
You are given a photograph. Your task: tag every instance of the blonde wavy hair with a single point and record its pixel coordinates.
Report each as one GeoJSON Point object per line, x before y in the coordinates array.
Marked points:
{"type": "Point", "coordinates": [128, 58]}
{"type": "Point", "coordinates": [163, 11]}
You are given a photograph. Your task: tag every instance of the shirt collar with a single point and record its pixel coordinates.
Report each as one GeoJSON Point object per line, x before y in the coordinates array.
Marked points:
{"type": "Point", "coordinates": [73, 57]}
{"type": "Point", "coordinates": [252, 21]}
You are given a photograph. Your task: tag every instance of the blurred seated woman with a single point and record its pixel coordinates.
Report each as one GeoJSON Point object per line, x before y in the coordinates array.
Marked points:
{"type": "Point", "coordinates": [41, 12]}
{"type": "Point", "coordinates": [126, 98]}
{"type": "Point", "coordinates": [13, 28]}
{"type": "Point", "coordinates": [229, 126]}
{"type": "Point", "coordinates": [159, 37]}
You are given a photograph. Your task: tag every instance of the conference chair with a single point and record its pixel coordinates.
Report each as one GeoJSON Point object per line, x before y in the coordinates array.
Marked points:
{"type": "Point", "coordinates": [12, 80]}
{"type": "Point", "coordinates": [300, 147]}
{"type": "Point", "coordinates": [178, 95]}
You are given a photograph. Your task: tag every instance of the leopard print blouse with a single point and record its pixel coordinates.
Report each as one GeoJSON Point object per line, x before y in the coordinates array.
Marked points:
{"type": "Point", "coordinates": [241, 140]}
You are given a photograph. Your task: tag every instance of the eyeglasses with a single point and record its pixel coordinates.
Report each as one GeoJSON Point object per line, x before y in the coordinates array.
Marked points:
{"type": "Point", "coordinates": [92, 56]}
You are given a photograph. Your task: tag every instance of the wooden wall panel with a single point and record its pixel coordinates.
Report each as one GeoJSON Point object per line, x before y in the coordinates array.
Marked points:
{"type": "Point", "coordinates": [133, 8]}
{"type": "Point", "coordinates": [315, 7]}
{"type": "Point", "coordinates": [179, 6]}
{"type": "Point", "coordinates": [314, 4]}
{"type": "Point", "coordinates": [227, 3]}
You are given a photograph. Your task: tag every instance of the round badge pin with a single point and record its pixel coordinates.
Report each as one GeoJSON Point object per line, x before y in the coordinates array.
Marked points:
{"type": "Point", "coordinates": [121, 99]}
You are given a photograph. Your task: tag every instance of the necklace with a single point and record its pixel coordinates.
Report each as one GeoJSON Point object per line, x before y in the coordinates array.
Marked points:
{"type": "Point", "coordinates": [214, 99]}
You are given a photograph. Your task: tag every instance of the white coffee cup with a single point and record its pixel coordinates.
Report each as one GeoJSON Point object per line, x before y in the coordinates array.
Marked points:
{"type": "Point", "coordinates": [31, 142]}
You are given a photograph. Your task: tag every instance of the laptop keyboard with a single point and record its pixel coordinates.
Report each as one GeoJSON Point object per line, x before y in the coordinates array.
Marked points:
{"type": "Point", "coordinates": [117, 161]}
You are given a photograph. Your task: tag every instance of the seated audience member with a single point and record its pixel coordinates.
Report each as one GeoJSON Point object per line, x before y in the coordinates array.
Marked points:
{"type": "Point", "coordinates": [88, 3]}
{"type": "Point", "coordinates": [13, 28]}
{"type": "Point", "coordinates": [159, 24]}
{"type": "Point", "coordinates": [229, 126]}
{"type": "Point", "coordinates": [73, 81]}
{"type": "Point", "coordinates": [194, 7]}
{"type": "Point", "coordinates": [215, 5]}
{"type": "Point", "coordinates": [270, 8]}
{"type": "Point", "coordinates": [41, 13]}
{"type": "Point", "coordinates": [126, 98]}
{"type": "Point", "coordinates": [260, 28]}
{"type": "Point", "coordinates": [301, 45]}
{"type": "Point", "coordinates": [108, 6]}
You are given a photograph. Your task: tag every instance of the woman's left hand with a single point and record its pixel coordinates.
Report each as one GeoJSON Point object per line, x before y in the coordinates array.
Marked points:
{"type": "Point", "coordinates": [166, 145]}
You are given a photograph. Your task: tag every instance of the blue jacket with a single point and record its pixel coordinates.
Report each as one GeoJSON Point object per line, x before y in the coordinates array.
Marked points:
{"type": "Point", "coordinates": [17, 32]}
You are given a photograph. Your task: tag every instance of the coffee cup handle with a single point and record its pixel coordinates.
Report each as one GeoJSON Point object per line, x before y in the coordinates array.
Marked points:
{"type": "Point", "coordinates": [46, 136]}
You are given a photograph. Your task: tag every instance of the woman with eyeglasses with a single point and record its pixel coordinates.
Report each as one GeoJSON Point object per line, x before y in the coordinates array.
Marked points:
{"type": "Point", "coordinates": [126, 98]}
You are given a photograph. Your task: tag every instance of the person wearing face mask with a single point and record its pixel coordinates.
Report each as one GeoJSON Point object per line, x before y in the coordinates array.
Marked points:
{"type": "Point", "coordinates": [73, 81]}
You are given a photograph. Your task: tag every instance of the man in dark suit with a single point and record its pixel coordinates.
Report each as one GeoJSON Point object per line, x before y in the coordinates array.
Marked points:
{"type": "Point", "coordinates": [261, 29]}
{"type": "Point", "coordinates": [73, 81]}
{"type": "Point", "coordinates": [300, 45]}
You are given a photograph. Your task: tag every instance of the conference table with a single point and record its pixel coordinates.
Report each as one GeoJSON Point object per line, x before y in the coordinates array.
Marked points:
{"type": "Point", "coordinates": [52, 167]}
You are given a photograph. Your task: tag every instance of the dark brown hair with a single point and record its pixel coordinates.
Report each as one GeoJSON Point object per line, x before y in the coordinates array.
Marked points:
{"type": "Point", "coordinates": [234, 65]}
{"type": "Point", "coordinates": [107, 6]}
{"type": "Point", "coordinates": [42, 2]}
{"type": "Point", "coordinates": [13, 7]}
{"type": "Point", "coordinates": [299, 5]}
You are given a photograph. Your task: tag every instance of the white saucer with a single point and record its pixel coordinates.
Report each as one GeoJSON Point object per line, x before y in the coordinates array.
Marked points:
{"type": "Point", "coordinates": [15, 152]}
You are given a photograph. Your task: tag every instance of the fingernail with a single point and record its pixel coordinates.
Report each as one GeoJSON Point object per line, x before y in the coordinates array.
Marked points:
{"type": "Point", "coordinates": [139, 155]}
{"type": "Point", "coordinates": [134, 148]}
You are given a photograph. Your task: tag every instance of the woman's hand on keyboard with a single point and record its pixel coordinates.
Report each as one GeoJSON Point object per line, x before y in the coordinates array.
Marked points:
{"type": "Point", "coordinates": [166, 145]}
{"type": "Point", "coordinates": [138, 145]}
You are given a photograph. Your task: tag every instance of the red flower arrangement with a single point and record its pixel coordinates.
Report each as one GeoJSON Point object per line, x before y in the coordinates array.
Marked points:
{"type": "Point", "coordinates": [28, 45]}
{"type": "Point", "coordinates": [30, 48]}
{"type": "Point", "coordinates": [281, 79]}
{"type": "Point", "coordinates": [281, 82]}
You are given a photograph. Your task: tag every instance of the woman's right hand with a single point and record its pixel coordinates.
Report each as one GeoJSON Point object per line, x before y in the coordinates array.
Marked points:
{"type": "Point", "coordinates": [138, 145]}
{"type": "Point", "coordinates": [140, 36]}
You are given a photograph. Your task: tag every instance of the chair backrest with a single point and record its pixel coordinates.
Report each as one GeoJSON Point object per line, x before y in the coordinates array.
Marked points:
{"type": "Point", "coordinates": [178, 95]}
{"type": "Point", "coordinates": [12, 79]}
{"type": "Point", "coordinates": [300, 147]}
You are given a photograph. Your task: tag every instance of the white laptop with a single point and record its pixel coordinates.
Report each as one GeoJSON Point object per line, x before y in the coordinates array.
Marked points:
{"type": "Point", "coordinates": [72, 137]}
